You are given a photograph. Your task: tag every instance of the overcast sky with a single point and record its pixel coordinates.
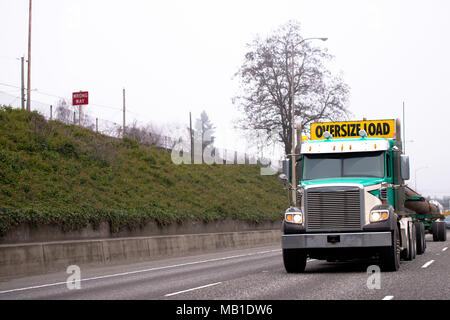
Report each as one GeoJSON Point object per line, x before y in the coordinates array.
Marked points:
{"type": "Point", "coordinates": [179, 56]}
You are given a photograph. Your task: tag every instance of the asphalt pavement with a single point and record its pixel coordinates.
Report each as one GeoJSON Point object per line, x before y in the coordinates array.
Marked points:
{"type": "Point", "coordinates": [248, 274]}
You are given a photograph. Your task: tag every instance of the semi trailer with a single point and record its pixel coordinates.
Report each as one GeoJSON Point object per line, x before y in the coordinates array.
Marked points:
{"type": "Point", "coordinates": [352, 200]}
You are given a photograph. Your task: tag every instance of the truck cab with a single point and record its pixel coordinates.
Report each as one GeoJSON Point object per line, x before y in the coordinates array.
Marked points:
{"type": "Point", "coordinates": [350, 197]}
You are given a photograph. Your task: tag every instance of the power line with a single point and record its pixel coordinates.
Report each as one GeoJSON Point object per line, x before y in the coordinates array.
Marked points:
{"type": "Point", "coordinates": [91, 104]}
{"type": "Point", "coordinates": [9, 92]}
{"type": "Point", "coordinates": [9, 58]}
{"type": "Point", "coordinates": [9, 85]}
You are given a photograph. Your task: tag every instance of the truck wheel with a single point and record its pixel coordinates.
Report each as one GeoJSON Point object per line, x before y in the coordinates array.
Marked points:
{"type": "Point", "coordinates": [294, 260]}
{"type": "Point", "coordinates": [420, 237]}
{"type": "Point", "coordinates": [442, 231]}
{"type": "Point", "coordinates": [414, 242]}
{"type": "Point", "coordinates": [408, 253]}
{"type": "Point", "coordinates": [390, 256]}
{"type": "Point", "coordinates": [439, 231]}
{"type": "Point", "coordinates": [434, 230]}
{"type": "Point", "coordinates": [424, 238]}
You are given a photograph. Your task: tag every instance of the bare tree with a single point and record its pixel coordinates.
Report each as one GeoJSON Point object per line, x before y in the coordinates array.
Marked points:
{"type": "Point", "coordinates": [206, 130]}
{"type": "Point", "coordinates": [266, 77]}
{"type": "Point", "coordinates": [63, 111]}
{"type": "Point", "coordinates": [150, 134]}
{"type": "Point", "coordinates": [178, 132]}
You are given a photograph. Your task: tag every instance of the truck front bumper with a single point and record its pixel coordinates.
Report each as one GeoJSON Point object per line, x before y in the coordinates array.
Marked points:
{"type": "Point", "coordinates": [336, 240]}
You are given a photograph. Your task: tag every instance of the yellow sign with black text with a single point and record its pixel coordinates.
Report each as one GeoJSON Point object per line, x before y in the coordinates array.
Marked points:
{"type": "Point", "coordinates": [350, 129]}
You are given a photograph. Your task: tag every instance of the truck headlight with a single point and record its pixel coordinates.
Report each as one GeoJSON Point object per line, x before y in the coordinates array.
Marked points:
{"type": "Point", "coordinates": [294, 217]}
{"type": "Point", "coordinates": [379, 215]}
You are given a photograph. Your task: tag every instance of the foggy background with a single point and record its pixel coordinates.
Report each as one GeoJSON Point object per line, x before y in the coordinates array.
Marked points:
{"type": "Point", "coordinates": [179, 56]}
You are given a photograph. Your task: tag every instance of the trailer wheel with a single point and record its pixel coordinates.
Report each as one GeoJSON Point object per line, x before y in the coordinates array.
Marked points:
{"type": "Point", "coordinates": [294, 260]}
{"type": "Point", "coordinates": [420, 237]}
{"type": "Point", "coordinates": [410, 253]}
{"type": "Point", "coordinates": [434, 230]}
{"type": "Point", "coordinates": [442, 231]}
{"type": "Point", "coordinates": [390, 256]}
{"type": "Point", "coordinates": [439, 231]}
{"type": "Point", "coordinates": [424, 238]}
{"type": "Point", "coordinates": [413, 242]}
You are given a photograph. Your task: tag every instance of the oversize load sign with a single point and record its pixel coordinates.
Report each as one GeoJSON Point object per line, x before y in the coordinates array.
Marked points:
{"type": "Point", "coordinates": [350, 129]}
{"type": "Point", "coordinates": [80, 98]}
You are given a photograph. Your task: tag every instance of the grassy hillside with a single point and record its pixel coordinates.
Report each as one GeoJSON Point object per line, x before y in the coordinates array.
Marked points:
{"type": "Point", "coordinates": [54, 173]}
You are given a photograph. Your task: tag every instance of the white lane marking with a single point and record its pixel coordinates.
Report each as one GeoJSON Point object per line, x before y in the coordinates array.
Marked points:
{"type": "Point", "coordinates": [444, 248]}
{"type": "Point", "coordinates": [196, 288]}
{"type": "Point", "coordinates": [427, 264]}
{"type": "Point", "coordinates": [35, 287]}
{"type": "Point", "coordinates": [141, 271]}
{"type": "Point", "coordinates": [388, 298]}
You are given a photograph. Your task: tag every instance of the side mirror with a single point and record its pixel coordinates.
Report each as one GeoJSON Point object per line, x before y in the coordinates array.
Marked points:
{"type": "Point", "coordinates": [404, 166]}
{"type": "Point", "coordinates": [282, 178]}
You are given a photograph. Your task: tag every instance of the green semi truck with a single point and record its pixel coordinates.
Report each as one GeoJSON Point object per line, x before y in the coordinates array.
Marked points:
{"type": "Point", "coordinates": [352, 200]}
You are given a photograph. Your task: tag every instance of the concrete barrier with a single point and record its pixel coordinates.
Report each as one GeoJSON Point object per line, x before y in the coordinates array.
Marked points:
{"type": "Point", "coordinates": [37, 258]}
{"type": "Point", "coordinates": [25, 233]}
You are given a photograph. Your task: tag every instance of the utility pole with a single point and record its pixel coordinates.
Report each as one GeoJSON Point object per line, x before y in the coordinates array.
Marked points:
{"type": "Point", "coordinates": [22, 89]}
{"type": "Point", "coordinates": [123, 132]}
{"type": "Point", "coordinates": [29, 61]}
{"type": "Point", "coordinates": [190, 135]}
{"type": "Point", "coordinates": [404, 125]}
{"type": "Point", "coordinates": [51, 112]}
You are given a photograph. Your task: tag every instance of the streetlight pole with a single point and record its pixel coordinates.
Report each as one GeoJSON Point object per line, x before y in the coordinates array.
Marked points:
{"type": "Point", "coordinates": [415, 177]}
{"type": "Point", "coordinates": [294, 180]}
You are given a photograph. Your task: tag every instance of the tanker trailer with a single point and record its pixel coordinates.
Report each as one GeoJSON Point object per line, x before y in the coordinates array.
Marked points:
{"type": "Point", "coordinates": [427, 212]}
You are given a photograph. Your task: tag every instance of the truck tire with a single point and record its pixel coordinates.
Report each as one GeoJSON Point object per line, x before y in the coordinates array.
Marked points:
{"type": "Point", "coordinates": [434, 230]}
{"type": "Point", "coordinates": [442, 231]}
{"type": "Point", "coordinates": [439, 231]}
{"type": "Point", "coordinates": [410, 253]}
{"type": "Point", "coordinates": [294, 260]}
{"type": "Point", "coordinates": [390, 256]}
{"type": "Point", "coordinates": [424, 238]}
{"type": "Point", "coordinates": [414, 241]}
{"type": "Point", "coordinates": [420, 237]}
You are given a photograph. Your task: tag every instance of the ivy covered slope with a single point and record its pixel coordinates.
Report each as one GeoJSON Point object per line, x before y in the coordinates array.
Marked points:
{"type": "Point", "coordinates": [53, 173]}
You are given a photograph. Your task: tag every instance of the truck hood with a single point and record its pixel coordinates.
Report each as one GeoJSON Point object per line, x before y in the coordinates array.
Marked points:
{"type": "Point", "coordinates": [363, 180]}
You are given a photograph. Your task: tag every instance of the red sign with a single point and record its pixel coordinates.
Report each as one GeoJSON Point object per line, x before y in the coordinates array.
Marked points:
{"type": "Point", "coordinates": [80, 98]}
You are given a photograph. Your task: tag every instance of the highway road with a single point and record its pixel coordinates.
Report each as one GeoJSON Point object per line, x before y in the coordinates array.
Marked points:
{"type": "Point", "coordinates": [256, 273]}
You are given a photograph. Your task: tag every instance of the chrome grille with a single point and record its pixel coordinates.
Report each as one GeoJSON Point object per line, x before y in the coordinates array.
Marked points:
{"type": "Point", "coordinates": [332, 209]}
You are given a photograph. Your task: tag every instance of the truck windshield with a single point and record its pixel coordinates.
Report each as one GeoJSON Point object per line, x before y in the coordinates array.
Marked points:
{"type": "Point", "coordinates": [358, 164]}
